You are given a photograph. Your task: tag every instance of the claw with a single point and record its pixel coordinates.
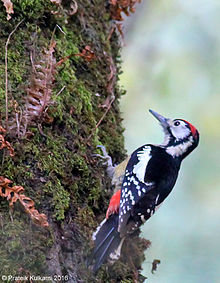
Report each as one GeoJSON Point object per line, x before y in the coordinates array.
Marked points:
{"type": "Point", "coordinates": [110, 168]}
{"type": "Point", "coordinates": [105, 156]}
{"type": "Point", "coordinates": [99, 155]}
{"type": "Point", "coordinates": [103, 149]}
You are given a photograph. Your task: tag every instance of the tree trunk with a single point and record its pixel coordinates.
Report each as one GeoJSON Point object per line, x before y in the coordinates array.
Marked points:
{"type": "Point", "coordinates": [62, 65]}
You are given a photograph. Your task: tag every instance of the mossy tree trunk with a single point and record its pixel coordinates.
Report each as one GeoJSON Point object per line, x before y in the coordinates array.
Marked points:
{"type": "Point", "coordinates": [54, 159]}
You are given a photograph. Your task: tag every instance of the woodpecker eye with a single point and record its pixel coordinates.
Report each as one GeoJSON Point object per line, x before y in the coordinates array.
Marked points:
{"type": "Point", "coordinates": [177, 123]}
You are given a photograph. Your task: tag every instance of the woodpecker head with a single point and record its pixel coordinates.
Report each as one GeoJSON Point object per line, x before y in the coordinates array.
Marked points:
{"type": "Point", "coordinates": [181, 137]}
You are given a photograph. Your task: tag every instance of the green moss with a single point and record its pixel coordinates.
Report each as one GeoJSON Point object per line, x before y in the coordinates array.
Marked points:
{"type": "Point", "coordinates": [57, 168]}
{"type": "Point", "coordinates": [85, 216]}
{"type": "Point", "coordinates": [60, 200]}
{"type": "Point", "coordinates": [21, 247]}
{"type": "Point", "coordinates": [32, 9]}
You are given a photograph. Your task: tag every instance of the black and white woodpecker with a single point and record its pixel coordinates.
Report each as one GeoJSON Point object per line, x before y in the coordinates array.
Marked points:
{"type": "Point", "coordinates": [142, 182]}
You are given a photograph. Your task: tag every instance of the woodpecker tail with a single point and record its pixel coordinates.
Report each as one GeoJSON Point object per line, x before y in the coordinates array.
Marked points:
{"type": "Point", "coordinates": [107, 242]}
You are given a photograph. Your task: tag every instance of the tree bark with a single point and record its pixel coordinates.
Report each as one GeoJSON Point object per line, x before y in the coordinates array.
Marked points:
{"type": "Point", "coordinates": [73, 49]}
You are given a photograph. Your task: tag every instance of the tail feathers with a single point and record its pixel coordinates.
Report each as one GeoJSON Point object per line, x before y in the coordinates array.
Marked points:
{"type": "Point", "coordinates": [107, 242]}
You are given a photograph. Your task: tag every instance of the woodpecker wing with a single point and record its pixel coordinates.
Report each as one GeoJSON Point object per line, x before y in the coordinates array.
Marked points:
{"type": "Point", "coordinates": [134, 187]}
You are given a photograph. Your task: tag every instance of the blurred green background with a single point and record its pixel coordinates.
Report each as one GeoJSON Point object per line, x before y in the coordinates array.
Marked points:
{"type": "Point", "coordinates": [171, 65]}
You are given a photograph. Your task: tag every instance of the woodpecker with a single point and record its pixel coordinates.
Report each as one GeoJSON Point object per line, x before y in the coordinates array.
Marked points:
{"type": "Point", "coordinates": [149, 175]}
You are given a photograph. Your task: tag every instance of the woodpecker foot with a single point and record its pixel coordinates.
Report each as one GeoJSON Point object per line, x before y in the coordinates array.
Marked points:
{"type": "Point", "coordinates": [107, 161]}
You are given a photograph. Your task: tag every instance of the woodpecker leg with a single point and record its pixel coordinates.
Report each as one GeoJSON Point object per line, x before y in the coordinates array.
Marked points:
{"type": "Point", "coordinates": [108, 161]}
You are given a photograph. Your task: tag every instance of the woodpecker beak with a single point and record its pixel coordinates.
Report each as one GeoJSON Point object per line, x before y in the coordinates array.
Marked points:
{"type": "Point", "coordinates": [163, 121]}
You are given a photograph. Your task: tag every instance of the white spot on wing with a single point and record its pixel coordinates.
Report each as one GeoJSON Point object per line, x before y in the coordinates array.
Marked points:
{"type": "Point", "coordinates": [140, 168]}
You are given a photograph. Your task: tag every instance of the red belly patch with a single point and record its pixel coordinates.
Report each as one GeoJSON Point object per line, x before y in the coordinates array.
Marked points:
{"type": "Point", "coordinates": [114, 204]}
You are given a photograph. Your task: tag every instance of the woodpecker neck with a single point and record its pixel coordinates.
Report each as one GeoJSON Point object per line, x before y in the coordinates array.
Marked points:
{"type": "Point", "coordinates": [179, 149]}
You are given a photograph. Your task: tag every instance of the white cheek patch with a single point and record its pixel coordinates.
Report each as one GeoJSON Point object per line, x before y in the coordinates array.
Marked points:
{"type": "Point", "coordinates": [140, 168]}
{"type": "Point", "coordinates": [180, 132]}
{"type": "Point", "coordinates": [179, 149]}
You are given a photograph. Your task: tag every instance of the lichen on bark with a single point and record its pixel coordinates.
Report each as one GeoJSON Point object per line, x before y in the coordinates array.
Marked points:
{"type": "Point", "coordinates": [56, 165]}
